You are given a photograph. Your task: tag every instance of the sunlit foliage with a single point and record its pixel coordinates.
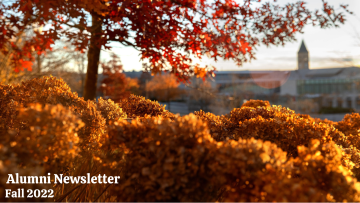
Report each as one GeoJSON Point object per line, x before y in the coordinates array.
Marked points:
{"type": "Point", "coordinates": [167, 34]}
{"type": "Point", "coordinates": [281, 126]}
{"type": "Point", "coordinates": [255, 153]}
{"type": "Point", "coordinates": [138, 106]}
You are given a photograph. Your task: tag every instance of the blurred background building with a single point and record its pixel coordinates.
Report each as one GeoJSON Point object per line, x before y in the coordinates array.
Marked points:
{"type": "Point", "coordinates": [325, 93]}
{"type": "Point", "coordinates": [331, 87]}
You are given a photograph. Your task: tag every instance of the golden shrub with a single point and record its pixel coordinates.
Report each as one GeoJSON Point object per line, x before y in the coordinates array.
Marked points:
{"type": "Point", "coordinates": [162, 160]}
{"type": "Point", "coordinates": [45, 143]}
{"type": "Point", "coordinates": [49, 143]}
{"type": "Point", "coordinates": [50, 90]}
{"type": "Point", "coordinates": [259, 171]}
{"type": "Point", "coordinates": [219, 126]}
{"type": "Point", "coordinates": [282, 127]}
{"type": "Point", "coordinates": [316, 175]}
{"type": "Point", "coordinates": [278, 125]}
{"type": "Point", "coordinates": [240, 164]}
{"type": "Point", "coordinates": [256, 103]}
{"type": "Point", "coordinates": [321, 164]}
{"type": "Point", "coordinates": [138, 106]}
{"type": "Point", "coordinates": [110, 110]}
{"type": "Point", "coordinates": [256, 153]}
{"type": "Point", "coordinates": [350, 126]}
{"type": "Point", "coordinates": [178, 160]}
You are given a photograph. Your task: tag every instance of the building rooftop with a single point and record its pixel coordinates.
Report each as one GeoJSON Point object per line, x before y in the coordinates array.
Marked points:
{"type": "Point", "coordinates": [324, 72]}
{"type": "Point", "coordinates": [133, 74]}
{"type": "Point", "coordinates": [328, 73]}
{"type": "Point", "coordinates": [228, 77]}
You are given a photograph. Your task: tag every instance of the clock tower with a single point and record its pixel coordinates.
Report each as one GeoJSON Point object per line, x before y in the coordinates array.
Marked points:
{"type": "Point", "coordinates": [303, 57]}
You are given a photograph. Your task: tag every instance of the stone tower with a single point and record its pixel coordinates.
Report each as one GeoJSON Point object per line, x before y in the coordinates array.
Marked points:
{"type": "Point", "coordinates": [303, 57]}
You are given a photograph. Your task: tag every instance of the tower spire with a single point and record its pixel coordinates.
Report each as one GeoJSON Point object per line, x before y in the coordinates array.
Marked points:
{"type": "Point", "coordinates": [303, 47]}
{"type": "Point", "coordinates": [303, 57]}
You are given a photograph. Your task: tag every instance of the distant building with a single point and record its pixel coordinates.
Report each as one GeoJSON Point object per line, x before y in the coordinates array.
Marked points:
{"type": "Point", "coordinates": [333, 87]}
{"type": "Point", "coordinates": [303, 57]}
{"type": "Point", "coordinates": [337, 87]}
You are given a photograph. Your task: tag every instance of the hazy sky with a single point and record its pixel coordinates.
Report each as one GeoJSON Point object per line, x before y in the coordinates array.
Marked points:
{"type": "Point", "coordinates": [333, 47]}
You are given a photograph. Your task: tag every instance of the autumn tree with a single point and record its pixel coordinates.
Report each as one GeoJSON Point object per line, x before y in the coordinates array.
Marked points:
{"type": "Point", "coordinates": [115, 84]}
{"type": "Point", "coordinates": [16, 67]}
{"type": "Point", "coordinates": [56, 59]}
{"type": "Point", "coordinates": [167, 33]}
{"type": "Point", "coordinates": [7, 73]}
{"type": "Point", "coordinates": [20, 38]}
{"type": "Point", "coordinates": [164, 87]}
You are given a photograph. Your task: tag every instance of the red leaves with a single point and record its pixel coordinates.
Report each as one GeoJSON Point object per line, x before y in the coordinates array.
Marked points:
{"type": "Point", "coordinates": [22, 65]}
{"type": "Point", "coordinates": [25, 65]}
{"type": "Point", "coordinates": [161, 30]}
{"type": "Point", "coordinates": [115, 85]}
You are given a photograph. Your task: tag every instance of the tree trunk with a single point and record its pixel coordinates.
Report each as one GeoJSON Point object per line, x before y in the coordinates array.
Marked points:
{"type": "Point", "coordinates": [38, 60]}
{"type": "Point", "coordinates": [82, 68]}
{"type": "Point", "coordinates": [93, 59]}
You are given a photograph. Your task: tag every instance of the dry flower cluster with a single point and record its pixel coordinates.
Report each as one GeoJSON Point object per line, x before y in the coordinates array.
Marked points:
{"type": "Point", "coordinates": [255, 153]}
{"type": "Point", "coordinates": [46, 143]}
{"type": "Point", "coordinates": [138, 106]}
{"type": "Point", "coordinates": [49, 90]}
{"type": "Point", "coordinates": [280, 126]}
{"type": "Point", "coordinates": [256, 103]}
{"type": "Point", "coordinates": [350, 126]}
{"type": "Point", "coordinates": [36, 147]}
{"type": "Point", "coordinates": [166, 161]}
